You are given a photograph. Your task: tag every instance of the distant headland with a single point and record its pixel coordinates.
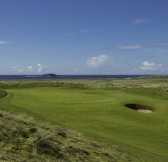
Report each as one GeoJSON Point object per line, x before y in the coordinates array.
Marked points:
{"type": "Point", "coordinates": [49, 75]}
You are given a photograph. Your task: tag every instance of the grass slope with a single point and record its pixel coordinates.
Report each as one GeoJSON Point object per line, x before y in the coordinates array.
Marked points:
{"type": "Point", "coordinates": [26, 140]}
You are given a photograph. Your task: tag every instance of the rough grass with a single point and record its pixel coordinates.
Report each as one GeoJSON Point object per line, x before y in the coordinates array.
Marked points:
{"type": "Point", "coordinates": [157, 85]}
{"type": "Point", "coordinates": [23, 139]}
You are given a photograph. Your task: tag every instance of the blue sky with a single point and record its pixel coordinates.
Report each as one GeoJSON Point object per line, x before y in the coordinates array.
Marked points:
{"type": "Point", "coordinates": [84, 36]}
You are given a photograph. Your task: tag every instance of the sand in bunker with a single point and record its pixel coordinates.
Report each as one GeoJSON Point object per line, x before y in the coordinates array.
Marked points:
{"type": "Point", "coordinates": [144, 111]}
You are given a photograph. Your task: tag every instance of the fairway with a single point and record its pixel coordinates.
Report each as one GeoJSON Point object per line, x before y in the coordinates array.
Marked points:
{"type": "Point", "coordinates": [98, 113]}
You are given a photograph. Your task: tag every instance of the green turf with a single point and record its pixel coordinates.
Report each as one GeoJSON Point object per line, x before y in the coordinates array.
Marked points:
{"type": "Point", "coordinates": [98, 113]}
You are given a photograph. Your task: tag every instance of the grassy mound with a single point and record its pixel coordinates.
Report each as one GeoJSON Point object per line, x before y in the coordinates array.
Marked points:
{"type": "Point", "coordinates": [3, 93]}
{"type": "Point", "coordinates": [27, 140]}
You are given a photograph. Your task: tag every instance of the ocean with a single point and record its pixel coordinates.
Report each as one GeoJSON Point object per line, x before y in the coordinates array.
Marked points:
{"type": "Point", "coordinates": [42, 77]}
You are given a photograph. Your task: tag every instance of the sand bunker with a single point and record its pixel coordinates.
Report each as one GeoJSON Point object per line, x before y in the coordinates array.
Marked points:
{"type": "Point", "coordinates": [139, 108]}
{"type": "Point", "coordinates": [144, 111]}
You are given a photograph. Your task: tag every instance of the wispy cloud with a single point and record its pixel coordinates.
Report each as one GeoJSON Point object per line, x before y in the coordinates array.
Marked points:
{"type": "Point", "coordinates": [97, 61]}
{"type": "Point", "coordinates": [163, 53]}
{"type": "Point", "coordinates": [158, 45]}
{"type": "Point", "coordinates": [39, 68]}
{"type": "Point", "coordinates": [4, 42]}
{"type": "Point", "coordinates": [140, 21]}
{"type": "Point", "coordinates": [79, 32]}
{"type": "Point", "coordinates": [130, 47]}
{"type": "Point", "coordinates": [140, 46]}
{"type": "Point", "coordinates": [150, 66]}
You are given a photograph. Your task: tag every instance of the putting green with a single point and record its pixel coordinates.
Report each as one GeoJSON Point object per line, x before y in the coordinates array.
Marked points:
{"type": "Point", "coordinates": [98, 113]}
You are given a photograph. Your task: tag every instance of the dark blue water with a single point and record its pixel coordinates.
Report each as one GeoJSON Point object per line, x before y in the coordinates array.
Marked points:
{"type": "Point", "coordinates": [42, 77]}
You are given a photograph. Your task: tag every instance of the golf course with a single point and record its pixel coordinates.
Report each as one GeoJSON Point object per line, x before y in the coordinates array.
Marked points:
{"type": "Point", "coordinates": [132, 118]}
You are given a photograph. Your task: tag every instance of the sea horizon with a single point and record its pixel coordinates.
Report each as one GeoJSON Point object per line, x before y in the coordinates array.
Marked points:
{"type": "Point", "coordinates": [68, 76]}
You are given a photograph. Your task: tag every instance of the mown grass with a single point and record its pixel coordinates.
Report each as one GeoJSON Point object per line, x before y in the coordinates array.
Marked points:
{"type": "Point", "coordinates": [100, 113]}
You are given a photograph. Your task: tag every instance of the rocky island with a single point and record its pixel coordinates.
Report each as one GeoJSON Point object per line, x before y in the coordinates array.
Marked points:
{"type": "Point", "coordinates": [50, 75]}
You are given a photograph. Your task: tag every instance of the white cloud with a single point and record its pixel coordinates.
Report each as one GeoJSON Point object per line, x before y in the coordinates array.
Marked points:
{"type": "Point", "coordinates": [21, 70]}
{"type": "Point", "coordinates": [149, 66]}
{"type": "Point", "coordinates": [30, 68]}
{"type": "Point", "coordinates": [139, 21]}
{"type": "Point", "coordinates": [39, 68]}
{"type": "Point", "coordinates": [97, 61]}
{"type": "Point", "coordinates": [3, 42]}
